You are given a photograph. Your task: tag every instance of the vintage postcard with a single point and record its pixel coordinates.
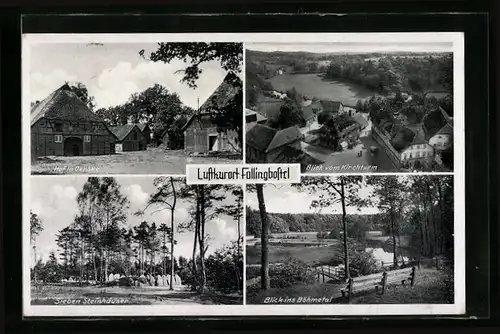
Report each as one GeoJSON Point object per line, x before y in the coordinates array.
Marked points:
{"type": "Point", "coordinates": [127, 107]}
{"type": "Point", "coordinates": [258, 174]}
{"type": "Point", "coordinates": [351, 107]}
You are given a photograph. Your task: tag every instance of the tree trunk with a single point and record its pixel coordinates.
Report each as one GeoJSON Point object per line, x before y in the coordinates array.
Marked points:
{"type": "Point", "coordinates": [394, 255]}
{"type": "Point", "coordinates": [264, 274]}
{"type": "Point", "coordinates": [172, 241]}
{"type": "Point", "coordinates": [35, 267]}
{"type": "Point", "coordinates": [344, 226]}
{"type": "Point", "coordinates": [195, 242]}
{"type": "Point", "coordinates": [201, 239]}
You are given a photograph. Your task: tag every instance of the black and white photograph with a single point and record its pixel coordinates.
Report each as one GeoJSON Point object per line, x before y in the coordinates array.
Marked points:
{"type": "Point", "coordinates": [134, 241]}
{"type": "Point", "coordinates": [385, 239]}
{"type": "Point", "coordinates": [132, 107]}
{"type": "Point", "coordinates": [347, 107]}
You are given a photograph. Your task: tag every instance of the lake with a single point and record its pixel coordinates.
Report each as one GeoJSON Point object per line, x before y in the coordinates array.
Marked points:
{"type": "Point", "coordinates": [312, 85]}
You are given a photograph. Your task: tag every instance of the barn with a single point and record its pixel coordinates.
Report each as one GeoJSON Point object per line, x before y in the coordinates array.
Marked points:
{"type": "Point", "coordinates": [129, 138]}
{"type": "Point", "coordinates": [63, 125]}
{"type": "Point", "coordinates": [146, 131]}
{"type": "Point", "coordinates": [202, 134]}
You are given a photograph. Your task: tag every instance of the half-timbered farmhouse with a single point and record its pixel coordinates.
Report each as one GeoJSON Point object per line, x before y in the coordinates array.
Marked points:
{"type": "Point", "coordinates": [202, 134]}
{"type": "Point", "coordinates": [63, 125]}
{"type": "Point", "coordinates": [146, 131]}
{"type": "Point", "coordinates": [129, 138]}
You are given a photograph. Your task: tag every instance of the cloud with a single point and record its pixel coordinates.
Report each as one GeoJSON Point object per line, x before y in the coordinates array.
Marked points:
{"type": "Point", "coordinates": [115, 85]}
{"type": "Point", "coordinates": [56, 209]}
{"type": "Point", "coordinates": [219, 228]}
{"type": "Point", "coordinates": [136, 195]}
{"type": "Point", "coordinates": [41, 85]}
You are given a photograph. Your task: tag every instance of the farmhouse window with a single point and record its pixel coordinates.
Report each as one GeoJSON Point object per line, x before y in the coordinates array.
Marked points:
{"type": "Point", "coordinates": [58, 127]}
{"type": "Point", "coordinates": [86, 138]}
{"type": "Point", "coordinates": [58, 138]}
{"type": "Point", "coordinates": [411, 155]}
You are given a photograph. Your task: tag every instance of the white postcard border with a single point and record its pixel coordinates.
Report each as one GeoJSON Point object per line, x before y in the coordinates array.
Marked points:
{"type": "Point", "coordinates": [457, 40]}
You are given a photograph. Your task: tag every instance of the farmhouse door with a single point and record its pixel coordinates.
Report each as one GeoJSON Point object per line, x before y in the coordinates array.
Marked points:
{"type": "Point", "coordinates": [73, 147]}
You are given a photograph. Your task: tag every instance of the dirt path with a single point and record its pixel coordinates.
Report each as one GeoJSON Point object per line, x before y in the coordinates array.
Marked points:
{"type": "Point", "coordinates": [57, 295]}
{"type": "Point", "coordinates": [152, 161]}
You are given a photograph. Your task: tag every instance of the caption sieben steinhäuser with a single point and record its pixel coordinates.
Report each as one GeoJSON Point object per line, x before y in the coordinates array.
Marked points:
{"type": "Point", "coordinates": [245, 173]}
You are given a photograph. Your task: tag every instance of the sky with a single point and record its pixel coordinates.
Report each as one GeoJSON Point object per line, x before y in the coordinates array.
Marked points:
{"type": "Point", "coordinates": [351, 47]}
{"type": "Point", "coordinates": [53, 199]}
{"type": "Point", "coordinates": [285, 198]}
{"type": "Point", "coordinates": [112, 72]}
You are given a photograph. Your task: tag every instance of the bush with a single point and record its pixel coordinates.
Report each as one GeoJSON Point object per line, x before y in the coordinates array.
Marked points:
{"type": "Point", "coordinates": [291, 272]}
{"type": "Point", "coordinates": [360, 262]}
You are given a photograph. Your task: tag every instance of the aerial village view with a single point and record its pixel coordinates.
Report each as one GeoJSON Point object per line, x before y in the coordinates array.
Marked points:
{"type": "Point", "coordinates": [134, 108]}
{"type": "Point", "coordinates": [350, 108]}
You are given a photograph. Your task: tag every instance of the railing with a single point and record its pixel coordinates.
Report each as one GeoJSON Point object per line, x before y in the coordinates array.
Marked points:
{"type": "Point", "coordinates": [330, 272]}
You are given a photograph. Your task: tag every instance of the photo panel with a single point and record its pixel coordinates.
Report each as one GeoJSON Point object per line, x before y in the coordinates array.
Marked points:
{"type": "Point", "coordinates": [355, 240]}
{"type": "Point", "coordinates": [367, 105]}
{"type": "Point", "coordinates": [129, 242]}
{"type": "Point", "coordinates": [130, 105]}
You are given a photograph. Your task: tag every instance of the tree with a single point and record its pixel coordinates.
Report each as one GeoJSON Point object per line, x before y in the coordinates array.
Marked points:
{"type": "Point", "coordinates": [82, 92]}
{"type": "Point", "coordinates": [229, 55]}
{"type": "Point", "coordinates": [165, 197]}
{"type": "Point", "coordinates": [332, 190]}
{"type": "Point", "coordinates": [389, 190]}
{"type": "Point", "coordinates": [102, 202]}
{"type": "Point", "coordinates": [264, 235]}
{"type": "Point", "coordinates": [35, 229]}
{"type": "Point", "coordinates": [225, 113]}
{"type": "Point", "coordinates": [289, 115]}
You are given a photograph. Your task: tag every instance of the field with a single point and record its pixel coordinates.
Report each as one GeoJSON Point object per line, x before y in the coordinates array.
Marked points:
{"type": "Point", "coordinates": [59, 295]}
{"type": "Point", "coordinates": [311, 85]}
{"type": "Point", "coordinates": [152, 161]}
{"type": "Point", "coordinates": [278, 254]}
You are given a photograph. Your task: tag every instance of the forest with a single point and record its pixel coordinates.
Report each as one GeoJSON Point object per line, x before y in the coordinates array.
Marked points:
{"type": "Point", "coordinates": [418, 207]}
{"type": "Point", "coordinates": [381, 73]}
{"type": "Point", "coordinates": [98, 242]}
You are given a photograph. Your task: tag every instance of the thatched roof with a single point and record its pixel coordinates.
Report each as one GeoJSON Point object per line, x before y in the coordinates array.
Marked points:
{"type": "Point", "coordinates": [63, 104]}
{"type": "Point", "coordinates": [142, 126]}
{"type": "Point", "coordinates": [223, 94]}
{"type": "Point", "coordinates": [121, 132]}
{"type": "Point", "coordinates": [219, 99]}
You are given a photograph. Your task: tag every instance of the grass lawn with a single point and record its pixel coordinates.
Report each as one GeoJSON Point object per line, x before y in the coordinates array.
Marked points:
{"type": "Point", "coordinates": [152, 161]}
{"type": "Point", "coordinates": [431, 287]}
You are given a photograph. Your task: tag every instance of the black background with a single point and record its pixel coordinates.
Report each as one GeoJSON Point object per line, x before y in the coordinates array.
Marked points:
{"type": "Point", "coordinates": [480, 120]}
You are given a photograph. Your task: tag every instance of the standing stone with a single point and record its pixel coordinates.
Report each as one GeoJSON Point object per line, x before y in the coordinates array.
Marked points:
{"type": "Point", "coordinates": [111, 278]}
{"type": "Point", "coordinates": [177, 280]}
{"type": "Point", "coordinates": [116, 277]}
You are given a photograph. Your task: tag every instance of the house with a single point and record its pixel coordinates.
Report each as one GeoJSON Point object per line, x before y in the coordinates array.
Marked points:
{"type": "Point", "coordinates": [439, 126]}
{"type": "Point", "coordinates": [309, 115]}
{"type": "Point", "coordinates": [252, 118]}
{"type": "Point", "coordinates": [129, 138]}
{"type": "Point", "coordinates": [63, 125]}
{"type": "Point", "coordinates": [146, 131]}
{"type": "Point", "coordinates": [202, 134]}
{"type": "Point", "coordinates": [267, 145]}
{"type": "Point", "coordinates": [412, 143]}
